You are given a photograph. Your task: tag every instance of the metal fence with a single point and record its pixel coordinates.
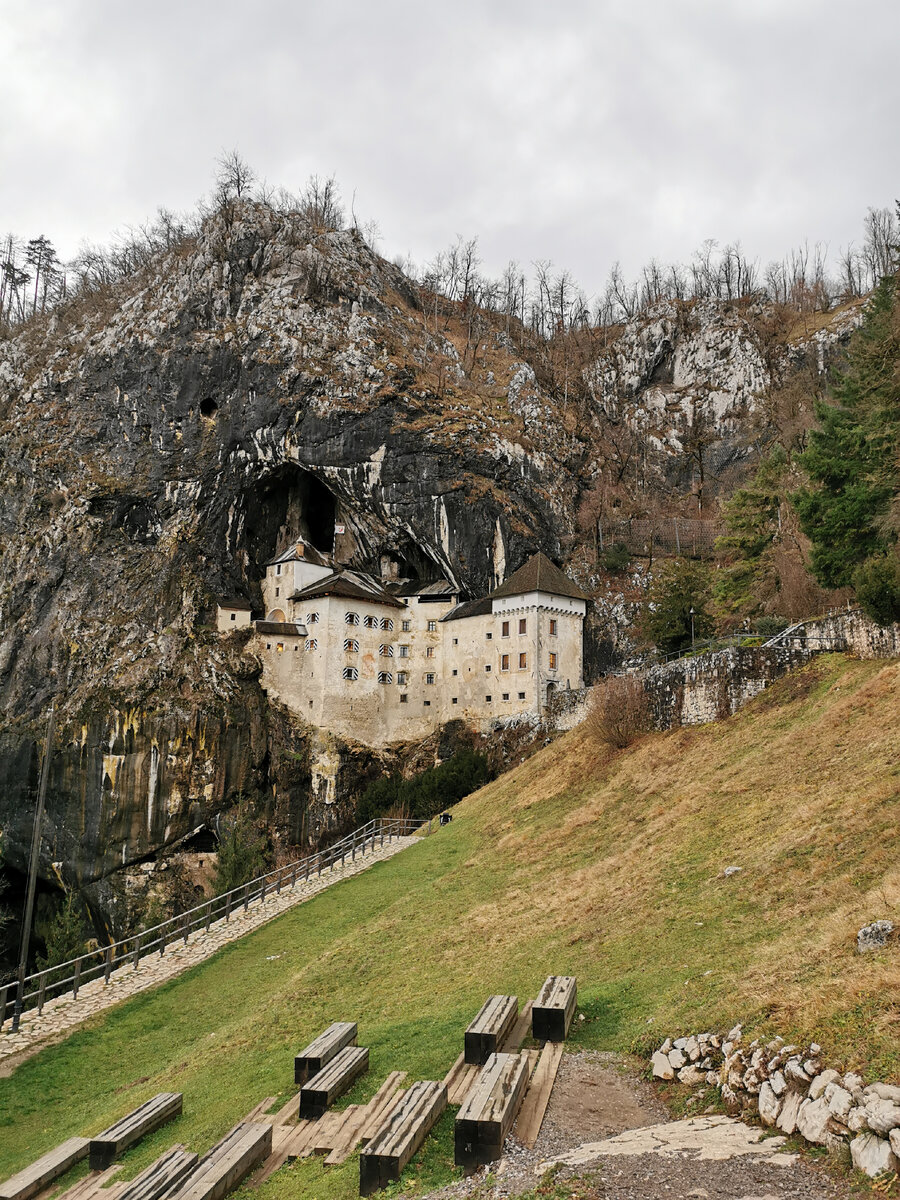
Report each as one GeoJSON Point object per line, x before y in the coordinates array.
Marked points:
{"type": "Point", "coordinates": [646, 537]}
{"type": "Point", "coordinates": [73, 975]}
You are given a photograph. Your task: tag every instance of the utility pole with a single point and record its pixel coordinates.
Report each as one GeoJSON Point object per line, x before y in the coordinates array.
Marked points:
{"type": "Point", "coordinates": [32, 870]}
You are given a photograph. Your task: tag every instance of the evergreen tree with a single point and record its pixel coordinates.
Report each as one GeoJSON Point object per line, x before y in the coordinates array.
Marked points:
{"type": "Point", "coordinates": [678, 585]}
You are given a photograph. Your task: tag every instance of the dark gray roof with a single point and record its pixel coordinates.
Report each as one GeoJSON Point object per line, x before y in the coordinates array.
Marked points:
{"type": "Point", "coordinates": [470, 608]}
{"type": "Point", "coordinates": [237, 605]}
{"type": "Point", "coordinates": [539, 574]}
{"type": "Point", "coordinates": [352, 585]}
{"type": "Point", "coordinates": [285, 628]}
{"type": "Point", "coordinates": [310, 554]}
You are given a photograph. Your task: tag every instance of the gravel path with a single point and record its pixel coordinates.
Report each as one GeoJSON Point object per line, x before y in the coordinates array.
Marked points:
{"type": "Point", "coordinates": [62, 1014]}
{"type": "Point", "coordinates": [598, 1096]}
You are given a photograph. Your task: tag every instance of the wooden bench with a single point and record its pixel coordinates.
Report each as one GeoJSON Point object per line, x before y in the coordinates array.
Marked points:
{"type": "Point", "coordinates": [322, 1050]}
{"type": "Point", "coordinates": [44, 1170]}
{"type": "Point", "coordinates": [229, 1161]}
{"type": "Point", "coordinates": [162, 1176]}
{"type": "Point", "coordinates": [488, 1113]}
{"type": "Point", "coordinates": [400, 1135]}
{"type": "Point", "coordinates": [552, 1012]}
{"type": "Point", "coordinates": [109, 1144]}
{"type": "Point", "coordinates": [486, 1033]}
{"type": "Point", "coordinates": [332, 1081]}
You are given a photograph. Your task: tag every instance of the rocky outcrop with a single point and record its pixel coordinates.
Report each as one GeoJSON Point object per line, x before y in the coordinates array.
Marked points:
{"type": "Point", "coordinates": [790, 1088]}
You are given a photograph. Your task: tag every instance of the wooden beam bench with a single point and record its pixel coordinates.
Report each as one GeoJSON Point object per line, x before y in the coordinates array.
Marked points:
{"type": "Point", "coordinates": [552, 1012]}
{"type": "Point", "coordinates": [50, 1166]}
{"type": "Point", "coordinates": [230, 1161]}
{"type": "Point", "coordinates": [400, 1135]}
{"type": "Point", "coordinates": [323, 1049]}
{"type": "Point", "coordinates": [109, 1144]}
{"type": "Point", "coordinates": [486, 1033]}
{"type": "Point", "coordinates": [162, 1176]}
{"type": "Point", "coordinates": [332, 1081]}
{"type": "Point", "coordinates": [488, 1113]}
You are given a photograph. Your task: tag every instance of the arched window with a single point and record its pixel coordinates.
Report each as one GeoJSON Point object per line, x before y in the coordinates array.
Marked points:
{"type": "Point", "coordinates": [351, 618]}
{"type": "Point", "coordinates": [386, 651]}
{"type": "Point", "coordinates": [371, 622]}
{"type": "Point", "coordinates": [312, 643]}
{"type": "Point", "coordinates": [385, 677]}
{"type": "Point", "coordinates": [312, 618]}
{"type": "Point", "coordinates": [387, 623]}
{"type": "Point", "coordinates": [351, 645]}
{"type": "Point", "coordinates": [351, 673]}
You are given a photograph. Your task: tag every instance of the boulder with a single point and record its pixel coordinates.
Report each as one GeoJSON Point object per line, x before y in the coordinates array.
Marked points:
{"type": "Point", "coordinates": [856, 1120]}
{"type": "Point", "coordinates": [677, 1058]}
{"type": "Point", "coordinates": [691, 1048]}
{"type": "Point", "coordinates": [769, 1105]}
{"type": "Point", "coordinates": [882, 1091]}
{"type": "Point", "coordinates": [735, 1035]}
{"type": "Point", "coordinates": [838, 1099]}
{"type": "Point", "coordinates": [692, 1076]}
{"type": "Point", "coordinates": [874, 936]}
{"type": "Point", "coordinates": [821, 1082]}
{"type": "Point", "coordinates": [894, 1140]}
{"type": "Point", "coordinates": [882, 1115]}
{"type": "Point", "coordinates": [778, 1083]}
{"type": "Point", "coordinates": [662, 1068]}
{"type": "Point", "coordinates": [812, 1123]}
{"type": "Point", "coordinates": [795, 1072]}
{"type": "Point", "coordinates": [873, 1155]}
{"type": "Point", "coordinates": [666, 1046]}
{"type": "Point", "coordinates": [787, 1118]}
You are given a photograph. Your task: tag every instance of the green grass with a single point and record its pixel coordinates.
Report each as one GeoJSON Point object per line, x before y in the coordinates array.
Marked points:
{"type": "Point", "coordinates": [579, 862]}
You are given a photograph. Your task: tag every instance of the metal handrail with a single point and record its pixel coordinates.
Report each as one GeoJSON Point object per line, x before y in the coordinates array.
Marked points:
{"type": "Point", "coordinates": [78, 971]}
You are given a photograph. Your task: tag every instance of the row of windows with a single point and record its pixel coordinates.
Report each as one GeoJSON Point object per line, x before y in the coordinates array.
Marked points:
{"type": "Point", "coordinates": [352, 618]}
{"type": "Point", "coordinates": [351, 646]}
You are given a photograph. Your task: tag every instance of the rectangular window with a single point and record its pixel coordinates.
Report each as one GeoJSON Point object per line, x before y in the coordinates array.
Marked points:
{"type": "Point", "coordinates": [403, 651]}
{"type": "Point", "coordinates": [351, 673]}
{"type": "Point", "coordinates": [504, 662]}
{"type": "Point", "coordinates": [523, 661]}
{"type": "Point", "coordinates": [278, 591]}
{"type": "Point", "coordinates": [432, 626]}
{"type": "Point", "coordinates": [388, 624]}
{"type": "Point", "coordinates": [487, 699]}
{"type": "Point", "coordinates": [234, 616]}
{"type": "Point", "coordinates": [385, 677]}
{"type": "Point", "coordinates": [351, 646]}
{"type": "Point", "coordinates": [504, 630]}
{"type": "Point", "coordinates": [371, 622]}
{"type": "Point", "coordinates": [427, 703]}
{"type": "Point", "coordinates": [404, 697]}
{"type": "Point", "coordinates": [455, 672]}
{"type": "Point", "coordinates": [487, 666]}
{"type": "Point", "coordinates": [406, 626]}
{"type": "Point", "coordinates": [523, 625]}
{"type": "Point", "coordinates": [312, 643]}
{"type": "Point", "coordinates": [312, 618]}
{"type": "Point", "coordinates": [268, 645]}
{"type": "Point", "coordinates": [455, 700]}
{"type": "Point", "coordinates": [429, 678]}
{"type": "Point", "coordinates": [506, 695]}
{"type": "Point", "coordinates": [385, 651]}
{"type": "Point", "coordinates": [552, 660]}
{"type": "Point", "coordinates": [278, 569]}
{"type": "Point", "coordinates": [553, 627]}
{"type": "Point", "coordinates": [429, 651]}
{"type": "Point", "coordinates": [521, 695]}
{"type": "Point", "coordinates": [351, 618]}
{"type": "Point", "coordinates": [279, 646]}
{"type": "Point", "coordinates": [455, 641]}
{"type": "Point", "coordinates": [401, 677]}
{"type": "Point", "coordinates": [489, 636]}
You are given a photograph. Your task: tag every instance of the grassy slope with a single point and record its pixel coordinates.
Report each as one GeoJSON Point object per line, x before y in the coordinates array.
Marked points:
{"type": "Point", "coordinates": [610, 869]}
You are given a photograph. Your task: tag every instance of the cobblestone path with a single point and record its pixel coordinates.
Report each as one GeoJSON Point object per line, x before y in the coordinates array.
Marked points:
{"type": "Point", "coordinates": [63, 1013]}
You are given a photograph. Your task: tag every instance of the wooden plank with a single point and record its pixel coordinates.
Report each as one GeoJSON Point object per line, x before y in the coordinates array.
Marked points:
{"type": "Point", "coordinates": [287, 1114]}
{"type": "Point", "coordinates": [320, 1092]}
{"type": "Point", "coordinates": [554, 1008]}
{"type": "Point", "coordinates": [387, 1104]}
{"type": "Point", "coordinates": [259, 1110]}
{"type": "Point", "coordinates": [323, 1049]}
{"type": "Point", "coordinates": [29, 1181]}
{"type": "Point", "coordinates": [131, 1128]}
{"type": "Point", "coordinates": [489, 1027]}
{"type": "Point", "coordinates": [531, 1115]}
{"type": "Point", "coordinates": [348, 1135]}
{"type": "Point", "coordinates": [454, 1073]}
{"type": "Point", "coordinates": [326, 1132]}
{"type": "Point", "coordinates": [464, 1084]}
{"type": "Point", "coordinates": [490, 1110]}
{"type": "Point", "coordinates": [162, 1176]}
{"type": "Point", "coordinates": [519, 1031]}
{"type": "Point", "coordinates": [281, 1137]}
{"type": "Point", "coordinates": [229, 1162]}
{"type": "Point", "coordinates": [90, 1185]}
{"type": "Point", "coordinates": [400, 1135]}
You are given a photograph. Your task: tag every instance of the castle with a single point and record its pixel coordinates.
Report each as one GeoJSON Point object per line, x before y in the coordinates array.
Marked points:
{"type": "Point", "coordinates": [380, 661]}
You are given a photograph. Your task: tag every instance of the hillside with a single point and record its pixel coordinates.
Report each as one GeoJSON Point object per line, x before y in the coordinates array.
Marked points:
{"type": "Point", "coordinates": [605, 866]}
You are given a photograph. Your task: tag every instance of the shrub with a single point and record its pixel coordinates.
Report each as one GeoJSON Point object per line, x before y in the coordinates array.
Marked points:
{"type": "Point", "coordinates": [677, 586]}
{"type": "Point", "coordinates": [619, 711]}
{"type": "Point", "coordinates": [427, 793]}
{"type": "Point", "coordinates": [616, 558]}
{"type": "Point", "coordinates": [877, 584]}
{"type": "Point", "coordinates": [63, 935]}
{"type": "Point", "coordinates": [244, 853]}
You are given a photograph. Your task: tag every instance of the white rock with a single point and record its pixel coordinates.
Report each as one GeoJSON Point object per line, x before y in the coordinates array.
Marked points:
{"type": "Point", "coordinates": [677, 1059]}
{"type": "Point", "coordinates": [691, 1048]}
{"type": "Point", "coordinates": [884, 1091]}
{"type": "Point", "coordinates": [839, 1101]}
{"type": "Point", "coordinates": [769, 1105]}
{"type": "Point", "coordinates": [873, 1155]}
{"type": "Point", "coordinates": [712, 1078]}
{"type": "Point", "coordinates": [662, 1068]}
{"type": "Point", "coordinates": [692, 1076]}
{"type": "Point", "coordinates": [882, 1115]}
{"type": "Point", "coordinates": [815, 1048]}
{"type": "Point", "coordinates": [666, 1046]}
{"type": "Point", "coordinates": [854, 1084]}
{"type": "Point", "coordinates": [874, 936]}
{"type": "Point", "coordinates": [821, 1082]}
{"type": "Point", "coordinates": [795, 1072]}
{"type": "Point", "coordinates": [812, 1067]}
{"type": "Point", "coordinates": [736, 1034]}
{"type": "Point", "coordinates": [778, 1083]}
{"type": "Point", "coordinates": [812, 1123]}
{"type": "Point", "coordinates": [895, 1141]}
{"type": "Point", "coordinates": [680, 1043]}
{"type": "Point", "coordinates": [856, 1120]}
{"type": "Point", "coordinates": [787, 1118]}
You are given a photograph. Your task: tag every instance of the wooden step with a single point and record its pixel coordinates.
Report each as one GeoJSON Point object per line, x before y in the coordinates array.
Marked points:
{"type": "Point", "coordinates": [487, 1031]}
{"type": "Point", "coordinates": [323, 1049]}
{"type": "Point", "coordinates": [400, 1135]}
{"type": "Point", "coordinates": [228, 1163]}
{"type": "Point", "coordinates": [29, 1181]}
{"type": "Point", "coordinates": [554, 1008]}
{"type": "Point", "coordinates": [490, 1110]}
{"type": "Point", "coordinates": [531, 1115]}
{"type": "Point", "coordinates": [320, 1092]}
{"type": "Point", "coordinates": [149, 1116]}
{"type": "Point", "coordinates": [161, 1177]}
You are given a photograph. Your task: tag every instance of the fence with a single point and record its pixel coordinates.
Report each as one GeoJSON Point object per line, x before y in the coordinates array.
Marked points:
{"type": "Point", "coordinates": [647, 537]}
{"type": "Point", "coordinates": [38, 988]}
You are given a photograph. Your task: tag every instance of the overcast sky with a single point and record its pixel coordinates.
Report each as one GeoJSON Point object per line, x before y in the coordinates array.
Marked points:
{"type": "Point", "coordinates": [577, 132]}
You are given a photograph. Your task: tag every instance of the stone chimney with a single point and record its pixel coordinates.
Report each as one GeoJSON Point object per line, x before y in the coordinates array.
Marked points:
{"type": "Point", "coordinates": [301, 549]}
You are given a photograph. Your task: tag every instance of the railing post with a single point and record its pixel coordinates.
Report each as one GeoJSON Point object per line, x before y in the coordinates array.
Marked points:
{"type": "Point", "coordinates": [185, 928]}
{"type": "Point", "coordinates": [262, 894]}
{"type": "Point", "coordinates": [4, 992]}
{"type": "Point", "coordinates": [162, 941]}
{"type": "Point", "coordinates": [41, 994]}
{"type": "Point", "coordinates": [319, 864]}
{"type": "Point", "coordinates": [228, 908]}
{"type": "Point", "coordinates": [293, 876]}
{"type": "Point", "coordinates": [77, 980]}
{"type": "Point", "coordinates": [208, 918]}
{"type": "Point", "coordinates": [278, 885]}
{"type": "Point", "coordinates": [306, 876]}
{"type": "Point", "coordinates": [246, 896]}
{"type": "Point", "coordinates": [107, 966]}
{"type": "Point", "coordinates": [136, 953]}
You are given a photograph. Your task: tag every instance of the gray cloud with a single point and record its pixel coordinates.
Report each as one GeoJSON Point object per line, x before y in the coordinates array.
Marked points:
{"type": "Point", "coordinates": [579, 132]}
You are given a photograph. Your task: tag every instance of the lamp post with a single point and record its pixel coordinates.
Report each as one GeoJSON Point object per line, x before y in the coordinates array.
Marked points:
{"type": "Point", "coordinates": [692, 626]}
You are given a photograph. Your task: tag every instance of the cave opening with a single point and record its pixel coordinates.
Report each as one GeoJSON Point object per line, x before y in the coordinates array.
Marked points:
{"type": "Point", "coordinates": [288, 504]}
{"type": "Point", "coordinates": [208, 407]}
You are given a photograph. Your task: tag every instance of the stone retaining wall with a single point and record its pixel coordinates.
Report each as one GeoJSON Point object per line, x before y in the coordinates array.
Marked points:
{"type": "Point", "coordinates": [791, 1088]}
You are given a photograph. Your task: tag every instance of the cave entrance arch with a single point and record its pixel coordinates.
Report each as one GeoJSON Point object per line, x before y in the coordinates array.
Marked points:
{"type": "Point", "coordinates": [284, 506]}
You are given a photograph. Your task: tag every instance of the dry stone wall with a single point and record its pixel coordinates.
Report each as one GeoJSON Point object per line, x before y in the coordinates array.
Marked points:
{"type": "Point", "coordinates": [792, 1089]}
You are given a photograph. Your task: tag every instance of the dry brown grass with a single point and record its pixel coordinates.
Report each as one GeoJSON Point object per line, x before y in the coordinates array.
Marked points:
{"type": "Point", "coordinates": [619, 711]}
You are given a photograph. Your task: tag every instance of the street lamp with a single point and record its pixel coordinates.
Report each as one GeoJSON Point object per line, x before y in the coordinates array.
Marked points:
{"type": "Point", "coordinates": [692, 626]}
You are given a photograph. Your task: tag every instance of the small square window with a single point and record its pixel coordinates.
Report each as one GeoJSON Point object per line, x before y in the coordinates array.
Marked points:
{"type": "Point", "coordinates": [521, 695]}
{"type": "Point", "coordinates": [406, 626]}
{"type": "Point", "coordinates": [455, 672]}
{"type": "Point", "coordinates": [429, 678]}
{"type": "Point", "coordinates": [429, 651]}
{"type": "Point", "coordinates": [404, 697]}
{"type": "Point", "coordinates": [454, 699]}
{"type": "Point", "coordinates": [487, 666]}
{"type": "Point", "coordinates": [456, 641]}
{"type": "Point", "coordinates": [487, 699]}
{"type": "Point", "coordinates": [279, 646]}
{"type": "Point", "coordinates": [432, 626]}
{"type": "Point", "coordinates": [489, 635]}
{"type": "Point", "coordinates": [506, 695]}
{"type": "Point", "coordinates": [268, 645]}
{"type": "Point", "coordinates": [427, 703]}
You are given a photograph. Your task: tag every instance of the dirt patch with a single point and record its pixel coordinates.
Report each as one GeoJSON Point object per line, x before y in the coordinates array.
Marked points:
{"type": "Point", "coordinates": [597, 1095]}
